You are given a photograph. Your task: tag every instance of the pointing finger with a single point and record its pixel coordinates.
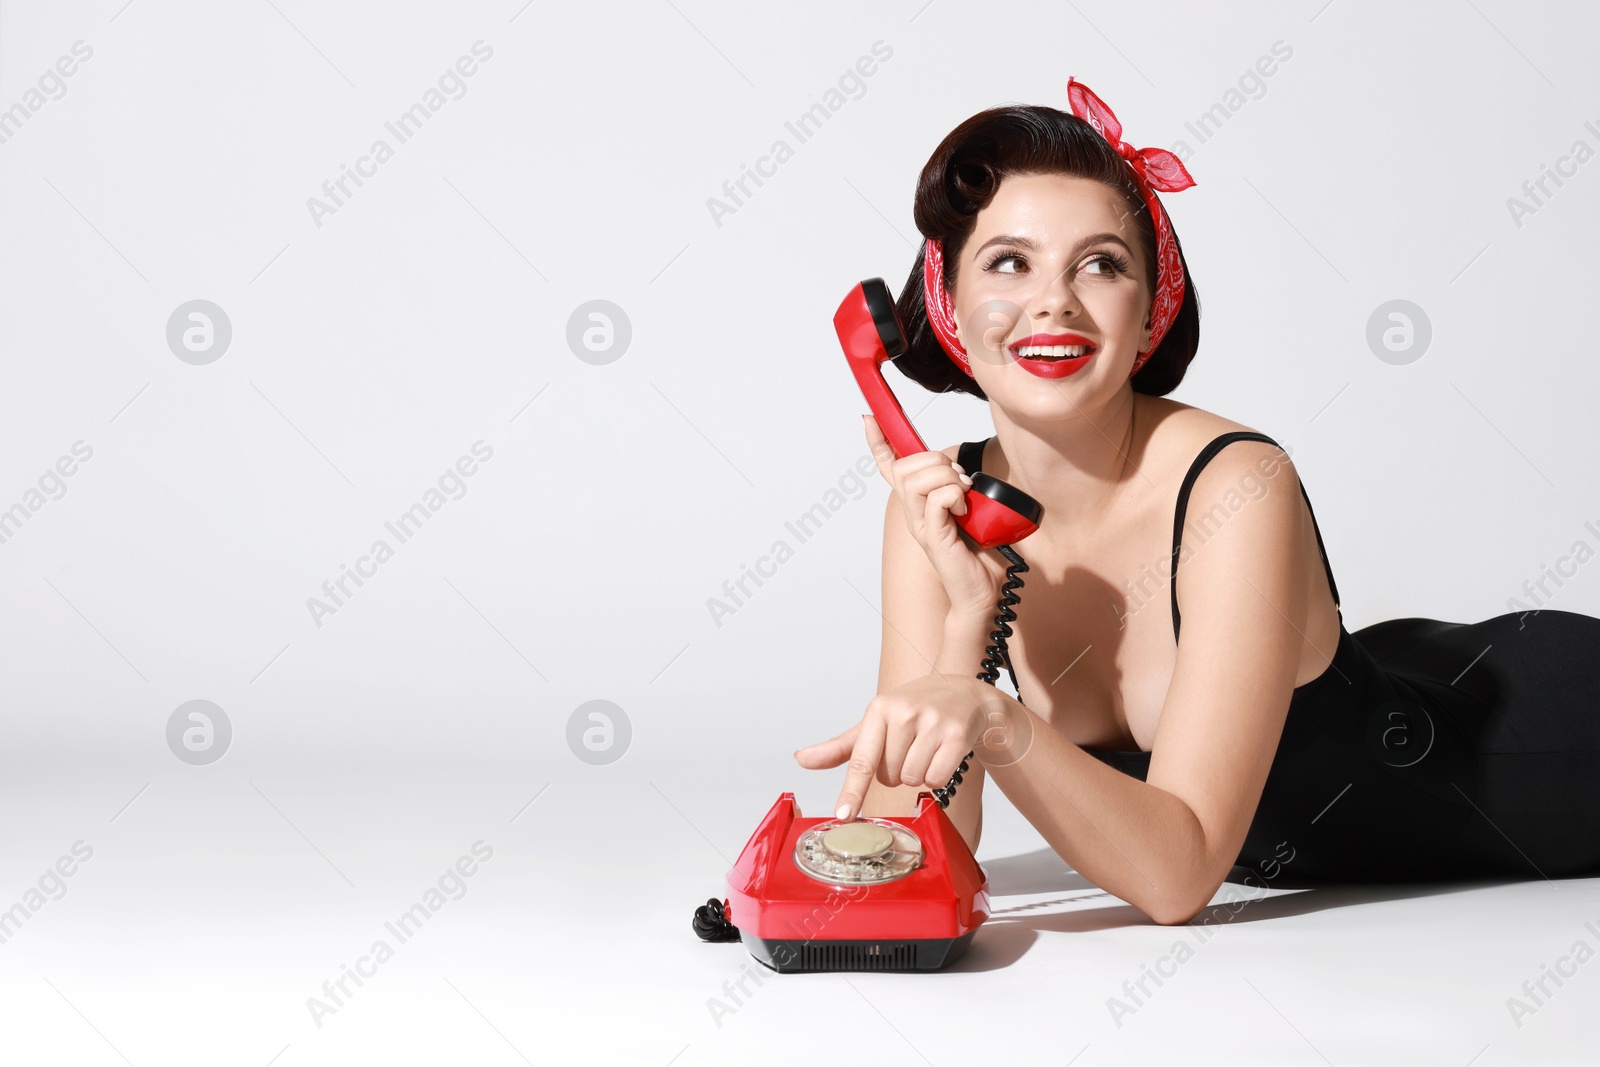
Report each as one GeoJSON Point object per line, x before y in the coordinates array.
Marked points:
{"type": "Point", "coordinates": [829, 753]}
{"type": "Point", "coordinates": [864, 760]}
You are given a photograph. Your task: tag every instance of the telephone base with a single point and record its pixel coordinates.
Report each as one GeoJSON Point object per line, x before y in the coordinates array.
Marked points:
{"type": "Point", "coordinates": [798, 955]}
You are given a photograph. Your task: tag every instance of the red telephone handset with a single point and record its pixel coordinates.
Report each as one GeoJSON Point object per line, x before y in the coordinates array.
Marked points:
{"type": "Point", "coordinates": [869, 331]}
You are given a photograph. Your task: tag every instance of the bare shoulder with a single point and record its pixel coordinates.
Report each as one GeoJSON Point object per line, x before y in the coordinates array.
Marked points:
{"type": "Point", "coordinates": [1245, 496]}
{"type": "Point", "coordinates": [1180, 431]}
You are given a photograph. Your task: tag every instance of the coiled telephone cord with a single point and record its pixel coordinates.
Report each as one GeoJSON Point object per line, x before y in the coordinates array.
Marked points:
{"type": "Point", "coordinates": [996, 655]}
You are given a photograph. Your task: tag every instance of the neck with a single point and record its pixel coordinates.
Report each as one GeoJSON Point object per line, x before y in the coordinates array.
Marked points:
{"type": "Point", "coordinates": [1073, 467]}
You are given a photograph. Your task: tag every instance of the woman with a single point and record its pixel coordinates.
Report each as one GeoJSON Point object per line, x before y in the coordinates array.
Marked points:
{"type": "Point", "coordinates": [1267, 735]}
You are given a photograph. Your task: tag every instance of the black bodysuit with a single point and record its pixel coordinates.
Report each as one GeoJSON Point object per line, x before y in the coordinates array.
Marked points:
{"type": "Point", "coordinates": [1426, 749]}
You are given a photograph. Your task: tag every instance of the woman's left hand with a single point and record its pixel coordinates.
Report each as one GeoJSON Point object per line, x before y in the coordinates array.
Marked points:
{"type": "Point", "coordinates": [914, 734]}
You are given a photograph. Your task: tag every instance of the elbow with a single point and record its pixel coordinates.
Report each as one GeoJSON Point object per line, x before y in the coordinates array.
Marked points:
{"type": "Point", "coordinates": [1174, 914]}
{"type": "Point", "coordinates": [1183, 905]}
{"type": "Point", "coordinates": [1191, 884]}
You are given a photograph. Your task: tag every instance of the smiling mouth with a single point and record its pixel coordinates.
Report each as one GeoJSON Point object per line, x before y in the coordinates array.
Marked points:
{"type": "Point", "coordinates": [1051, 352]}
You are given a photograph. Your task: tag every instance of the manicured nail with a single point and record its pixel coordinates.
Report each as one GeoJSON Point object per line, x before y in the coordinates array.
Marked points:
{"type": "Point", "coordinates": [843, 813]}
{"type": "Point", "coordinates": [959, 468]}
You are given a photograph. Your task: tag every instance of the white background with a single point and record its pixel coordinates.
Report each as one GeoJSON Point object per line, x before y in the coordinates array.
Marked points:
{"type": "Point", "coordinates": [431, 311]}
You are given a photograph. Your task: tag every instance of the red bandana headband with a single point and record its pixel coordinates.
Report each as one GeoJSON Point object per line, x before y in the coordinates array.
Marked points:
{"type": "Point", "coordinates": [1153, 168]}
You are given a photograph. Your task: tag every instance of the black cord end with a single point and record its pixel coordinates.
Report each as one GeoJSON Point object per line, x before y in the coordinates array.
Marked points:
{"type": "Point", "coordinates": [711, 923]}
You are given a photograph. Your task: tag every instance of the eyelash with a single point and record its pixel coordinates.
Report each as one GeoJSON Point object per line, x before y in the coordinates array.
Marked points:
{"type": "Point", "coordinates": [1119, 264]}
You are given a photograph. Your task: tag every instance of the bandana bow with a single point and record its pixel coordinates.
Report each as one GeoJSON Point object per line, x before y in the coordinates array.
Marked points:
{"type": "Point", "coordinates": [1152, 169]}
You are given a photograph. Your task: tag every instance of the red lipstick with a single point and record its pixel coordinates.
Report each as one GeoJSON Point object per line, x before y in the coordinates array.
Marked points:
{"type": "Point", "coordinates": [1052, 367]}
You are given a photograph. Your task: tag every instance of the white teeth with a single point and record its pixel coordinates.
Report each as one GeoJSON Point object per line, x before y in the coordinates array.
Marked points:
{"type": "Point", "coordinates": [1053, 351]}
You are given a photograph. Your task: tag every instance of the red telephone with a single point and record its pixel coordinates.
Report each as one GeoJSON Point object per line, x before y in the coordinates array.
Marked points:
{"type": "Point", "coordinates": [880, 894]}
{"type": "Point", "coordinates": [890, 894]}
{"type": "Point", "coordinates": [997, 513]}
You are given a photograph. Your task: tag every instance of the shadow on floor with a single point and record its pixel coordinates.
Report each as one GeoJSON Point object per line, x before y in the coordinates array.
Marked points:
{"type": "Point", "coordinates": [1011, 930]}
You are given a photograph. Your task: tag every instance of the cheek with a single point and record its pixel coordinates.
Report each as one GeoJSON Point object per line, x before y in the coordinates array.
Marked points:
{"type": "Point", "coordinates": [1119, 306]}
{"type": "Point", "coordinates": [988, 321]}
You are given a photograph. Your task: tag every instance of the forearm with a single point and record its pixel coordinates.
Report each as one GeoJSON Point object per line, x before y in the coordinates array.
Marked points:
{"type": "Point", "coordinates": [960, 655]}
{"type": "Point", "coordinates": [965, 638]}
{"type": "Point", "coordinates": [1134, 840]}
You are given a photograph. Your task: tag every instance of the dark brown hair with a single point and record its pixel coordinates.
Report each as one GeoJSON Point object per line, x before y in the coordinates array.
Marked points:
{"type": "Point", "coordinates": [960, 179]}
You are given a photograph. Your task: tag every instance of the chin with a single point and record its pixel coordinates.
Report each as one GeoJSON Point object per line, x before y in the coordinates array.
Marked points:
{"type": "Point", "coordinates": [1041, 401]}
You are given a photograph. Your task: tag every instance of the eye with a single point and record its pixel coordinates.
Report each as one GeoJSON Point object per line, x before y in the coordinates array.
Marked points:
{"type": "Point", "coordinates": [1003, 257]}
{"type": "Point", "coordinates": [1112, 263]}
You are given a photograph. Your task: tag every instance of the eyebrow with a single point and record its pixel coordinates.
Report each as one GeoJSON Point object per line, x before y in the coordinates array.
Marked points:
{"type": "Point", "coordinates": [1024, 242]}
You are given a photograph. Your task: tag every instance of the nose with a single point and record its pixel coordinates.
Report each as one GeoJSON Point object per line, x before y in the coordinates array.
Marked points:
{"type": "Point", "coordinates": [1056, 298]}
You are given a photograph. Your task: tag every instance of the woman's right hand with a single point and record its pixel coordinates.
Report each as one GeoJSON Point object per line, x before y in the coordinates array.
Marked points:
{"type": "Point", "coordinates": [933, 490]}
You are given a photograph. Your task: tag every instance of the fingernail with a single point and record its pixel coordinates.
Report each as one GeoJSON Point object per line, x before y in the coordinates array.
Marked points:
{"type": "Point", "coordinates": [965, 480]}
{"type": "Point", "coordinates": [959, 468]}
{"type": "Point", "coordinates": [843, 813]}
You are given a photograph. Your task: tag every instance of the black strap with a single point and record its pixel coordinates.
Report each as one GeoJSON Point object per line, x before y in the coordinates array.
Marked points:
{"type": "Point", "coordinates": [1216, 445]}
{"type": "Point", "coordinates": [970, 456]}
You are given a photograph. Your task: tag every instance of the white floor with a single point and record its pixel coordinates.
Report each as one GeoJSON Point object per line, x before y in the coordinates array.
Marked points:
{"type": "Point", "coordinates": [215, 906]}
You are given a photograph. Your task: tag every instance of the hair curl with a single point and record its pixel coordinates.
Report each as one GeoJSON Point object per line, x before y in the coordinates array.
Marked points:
{"type": "Point", "coordinates": [960, 179]}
